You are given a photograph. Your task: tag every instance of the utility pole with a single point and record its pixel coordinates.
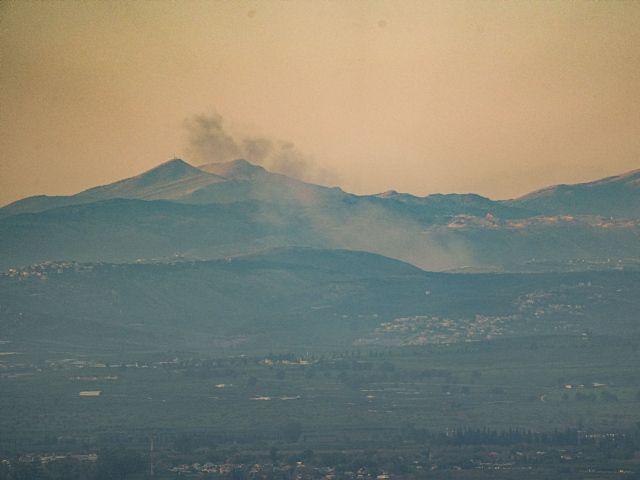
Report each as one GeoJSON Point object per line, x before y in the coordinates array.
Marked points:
{"type": "Point", "coordinates": [151, 472]}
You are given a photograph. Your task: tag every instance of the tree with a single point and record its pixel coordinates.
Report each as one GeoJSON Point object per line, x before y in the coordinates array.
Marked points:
{"type": "Point", "coordinates": [291, 430]}
{"type": "Point", "coordinates": [185, 443]}
{"type": "Point", "coordinates": [273, 454]}
{"type": "Point", "coordinates": [118, 463]}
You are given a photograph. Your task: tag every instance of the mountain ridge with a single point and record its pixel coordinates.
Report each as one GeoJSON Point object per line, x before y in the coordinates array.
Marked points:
{"type": "Point", "coordinates": [616, 195]}
{"type": "Point", "coordinates": [179, 210]}
{"type": "Point", "coordinates": [292, 296]}
{"type": "Point", "coordinates": [239, 180]}
{"type": "Point", "coordinates": [179, 181]}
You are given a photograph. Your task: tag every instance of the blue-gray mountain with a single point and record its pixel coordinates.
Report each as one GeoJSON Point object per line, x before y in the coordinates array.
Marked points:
{"type": "Point", "coordinates": [179, 211]}
{"type": "Point", "coordinates": [617, 196]}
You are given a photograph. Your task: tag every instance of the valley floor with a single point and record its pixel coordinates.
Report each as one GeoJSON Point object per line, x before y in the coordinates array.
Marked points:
{"type": "Point", "coordinates": [473, 409]}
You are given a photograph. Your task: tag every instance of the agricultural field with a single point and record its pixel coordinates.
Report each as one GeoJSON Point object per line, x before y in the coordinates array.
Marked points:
{"type": "Point", "coordinates": [537, 383]}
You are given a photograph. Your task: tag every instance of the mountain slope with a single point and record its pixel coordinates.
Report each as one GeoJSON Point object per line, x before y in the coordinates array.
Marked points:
{"type": "Point", "coordinates": [237, 170]}
{"type": "Point", "coordinates": [298, 298]}
{"type": "Point", "coordinates": [171, 180]}
{"type": "Point", "coordinates": [178, 181]}
{"type": "Point", "coordinates": [246, 181]}
{"type": "Point", "coordinates": [125, 230]}
{"type": "Point", "coordinates": [441, 207]}
{"type": "Point", "coordinates": [617, 196]}
{"type": "Point", "coordinates": [179, 210]}
{"type": "Point", "coordinates": [270, 295]}
{"type": "Point", "coordinates": [346, 262]}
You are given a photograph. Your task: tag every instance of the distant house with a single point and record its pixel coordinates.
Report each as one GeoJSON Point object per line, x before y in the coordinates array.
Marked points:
{"type": "Point", "coordinates": [90, 393]}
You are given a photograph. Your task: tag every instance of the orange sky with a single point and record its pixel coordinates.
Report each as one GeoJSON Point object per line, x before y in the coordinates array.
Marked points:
{"type": "Point", "coordinates": [498, 98]}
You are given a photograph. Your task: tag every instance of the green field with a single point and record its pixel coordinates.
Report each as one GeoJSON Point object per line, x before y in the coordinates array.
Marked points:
{"type": "Point", "coordinates": [508, 383]}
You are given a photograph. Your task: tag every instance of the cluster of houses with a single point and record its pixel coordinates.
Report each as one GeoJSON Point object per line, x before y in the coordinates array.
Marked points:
{"type": "Point", "coordinates": [432, 329]}
{"type": "Point", "coordinates": [44, 269]}
{"type": "Point", "coordinates": [429, 329]}
{"type": "Point", "coordinates": [542, 302]}
{"type": "Point", "coordinates": [297, 471]}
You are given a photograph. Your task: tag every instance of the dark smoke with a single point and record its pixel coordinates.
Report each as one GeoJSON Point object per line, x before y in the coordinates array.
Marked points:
{"type": "Point", "coordinates": [210, 142]}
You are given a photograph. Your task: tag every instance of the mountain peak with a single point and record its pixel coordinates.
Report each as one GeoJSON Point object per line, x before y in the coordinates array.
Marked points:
{"type": "Point", "coordinates": [172, 179]}
{"type": "Point", "coordinates": [237, 169]}
{"type": "Point", "coordinates": [388, 194]}
{"type": "Point", "coordinates": [174, 161]}
{"type": "Point", "coordinates": [170, 172]}
{"type": "Point", "coordinates": [174, 168]}
{"type": "Point", "coordinates": [618, 195]}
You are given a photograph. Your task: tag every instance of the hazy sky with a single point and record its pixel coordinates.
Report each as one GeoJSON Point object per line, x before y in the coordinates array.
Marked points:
{"type": "Point", "coordinates": [498, 98]}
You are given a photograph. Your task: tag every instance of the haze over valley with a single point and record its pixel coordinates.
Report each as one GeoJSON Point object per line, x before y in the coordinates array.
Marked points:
{"type": "Point", "coordinates": [190, 268]}
{"type": "Point", "coordinates": [365, 240]}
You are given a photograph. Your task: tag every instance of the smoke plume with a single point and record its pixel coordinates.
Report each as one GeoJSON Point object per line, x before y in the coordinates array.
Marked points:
{"type": "Point", "coordinates": [211, 142]}
{"type": "Point", "coordinates": [326, 219]}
